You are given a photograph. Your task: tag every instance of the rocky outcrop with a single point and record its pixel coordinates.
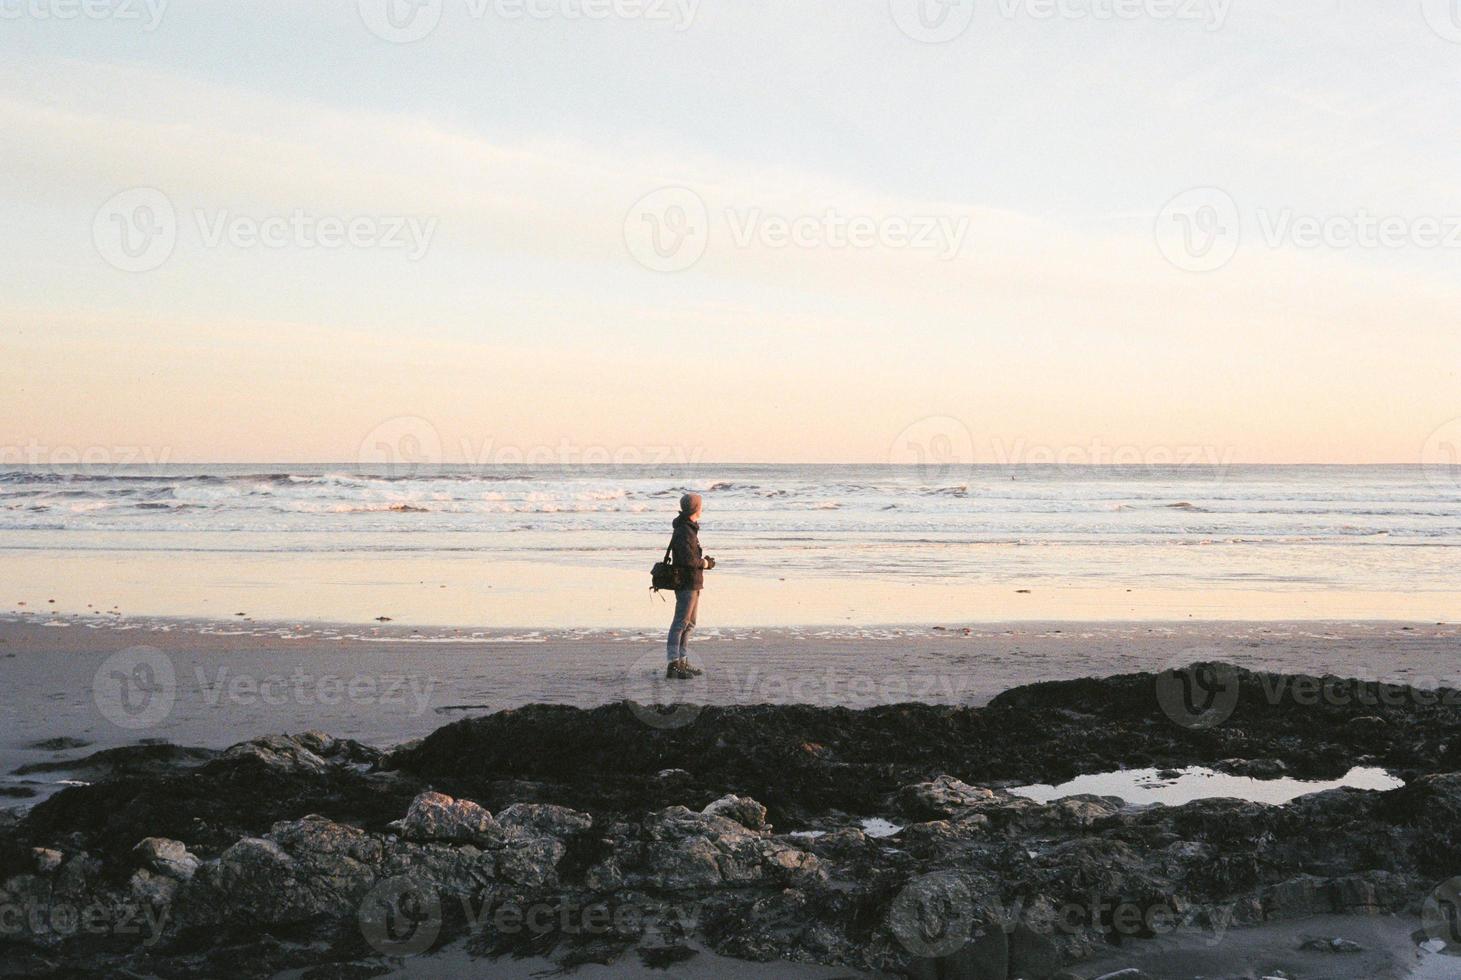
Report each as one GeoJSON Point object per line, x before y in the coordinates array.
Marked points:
{"type": "Point", "coordinates": [241, 792]}
{"type": "Point", "coordinates": [169, 858]}
{"type": "Point", "coordinates": [802, 761]}
{"type": "Point", "coordinates": [742, 809]}
{"type": "Point", "coordinates": [545, 819]}
{"type": "Point", "coordinates": [438, 817]}
{"type": "Point", "coordinates": [944, 797]}
{"type": "Point", "coordinates": [306, 753]}
{"type": "Point", "coordinates": [300, 852]}
{"type": "Point", "coordinates": [301, 870]}
{"type": "Point", "coordinates": [676, 849]}
{"type": "Point", "coordinates": [47, 859]}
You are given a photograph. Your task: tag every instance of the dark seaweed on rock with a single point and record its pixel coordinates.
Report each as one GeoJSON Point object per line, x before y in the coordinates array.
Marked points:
{"type": "Point", "coordinates": [264, 855]}
{"type": "Point", "coordinates": [800, 759]}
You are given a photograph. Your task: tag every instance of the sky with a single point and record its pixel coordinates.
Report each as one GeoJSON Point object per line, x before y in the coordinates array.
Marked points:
{"type": "Point", "coordinates": [730, 230]}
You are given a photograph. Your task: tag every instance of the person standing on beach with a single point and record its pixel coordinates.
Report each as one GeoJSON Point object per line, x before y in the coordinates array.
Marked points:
{"type": "Point", "coordinates": [686, 555]}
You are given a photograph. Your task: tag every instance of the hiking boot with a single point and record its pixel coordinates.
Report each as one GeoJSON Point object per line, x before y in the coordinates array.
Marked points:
{"type": "Point", "coordinates": [684, 663]}
{"type": "Point", "coordinates": [675, 672]}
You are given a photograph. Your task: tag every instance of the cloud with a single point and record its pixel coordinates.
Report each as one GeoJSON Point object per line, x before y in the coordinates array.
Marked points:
{"type": "Point", "coordinates": [1050, 316]}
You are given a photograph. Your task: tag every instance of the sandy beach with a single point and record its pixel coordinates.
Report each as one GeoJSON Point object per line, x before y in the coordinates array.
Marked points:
{"type": "Point", "coordinates": [912, 490]}
{"type": "Point", "coordinates": [1390, 954]}
{"type": "Point", "coordinates": [759, 839]}
{"type": "Point", "coordinates": [386, 684]}
{"type": "Point", "coordinates": [161, 697]}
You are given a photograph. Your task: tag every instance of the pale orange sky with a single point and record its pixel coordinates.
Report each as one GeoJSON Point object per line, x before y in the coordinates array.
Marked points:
{"type": "Point", "coordinates": [294, 392]}
{"type": "Point", "coordinates": [530, 319]}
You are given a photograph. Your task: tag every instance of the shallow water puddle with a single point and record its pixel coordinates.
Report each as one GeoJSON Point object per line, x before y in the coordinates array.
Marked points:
{"type": "Point", "coordinates": [1144, 786]}
{"type": "Point", "coordinates": [878, 827]}
{"type": "Point", "coordinates": [872, 826]}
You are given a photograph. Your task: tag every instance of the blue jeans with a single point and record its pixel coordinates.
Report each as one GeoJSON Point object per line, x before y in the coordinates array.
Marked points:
{"type": "Point", "coordinates": [687, 604]}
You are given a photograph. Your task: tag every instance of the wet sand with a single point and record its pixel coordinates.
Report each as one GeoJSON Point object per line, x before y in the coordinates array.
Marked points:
{"type": "Point", "coordinates": [1390, 952]}
{"type": "Point", "coordinates": [221, 683]}
{"type": "Point", "coordinates": [463, 589]}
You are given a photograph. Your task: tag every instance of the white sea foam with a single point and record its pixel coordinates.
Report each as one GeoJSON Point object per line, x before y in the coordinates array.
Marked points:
{"type": "Point", "coordinates": [1327, 527]}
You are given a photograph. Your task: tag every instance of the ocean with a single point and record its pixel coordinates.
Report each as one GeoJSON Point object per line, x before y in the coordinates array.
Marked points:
{"type": "Point", "coordinates": [1305, 529]}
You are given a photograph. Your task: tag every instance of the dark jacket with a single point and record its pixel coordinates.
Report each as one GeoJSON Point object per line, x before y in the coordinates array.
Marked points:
{"type": "Point", "coordinates": [685, 553]}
